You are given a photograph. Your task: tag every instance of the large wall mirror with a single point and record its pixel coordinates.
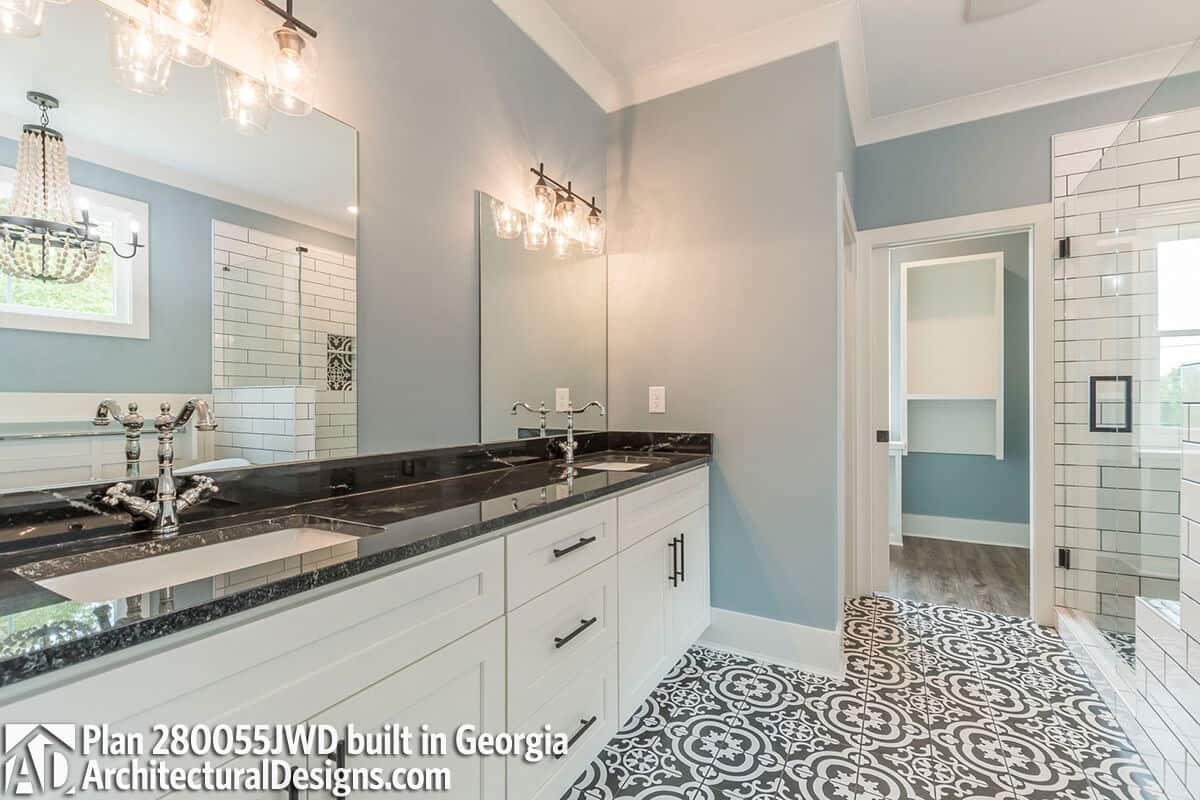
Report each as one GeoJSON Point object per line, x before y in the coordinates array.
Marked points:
{"type": "Point", "coordinates": [244, 293]}
{"type": "Point", "coordinates": [543, 318]}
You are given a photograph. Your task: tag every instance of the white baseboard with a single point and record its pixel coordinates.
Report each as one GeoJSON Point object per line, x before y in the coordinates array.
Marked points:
{"type": "Point", "coordinates": [799, 646]}
{"type": "Point", "coordinates": [957, 529]}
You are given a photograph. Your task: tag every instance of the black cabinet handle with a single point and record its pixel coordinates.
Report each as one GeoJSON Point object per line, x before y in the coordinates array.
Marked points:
{"type": "Point", "coordinates": [586, 540]}
{"type": "Point", "coordinates": [293, 792]}
{"type": "Point", "coordinates": [682, 559]}
{"type": "Point", "coordinates": [584, 624]}
{"type": "Point", "coordinates": [674, 576]}
{"type": "Point", "coordinates": [338, 756]}
{"type": "Point", "coordinates": [584, 725]}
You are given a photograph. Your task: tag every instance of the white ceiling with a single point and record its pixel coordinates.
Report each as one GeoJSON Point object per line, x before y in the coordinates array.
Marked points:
{"type": "Point", "coordinates": [301, 169]}
{"type": "Point", "coordinates": [909, 65]}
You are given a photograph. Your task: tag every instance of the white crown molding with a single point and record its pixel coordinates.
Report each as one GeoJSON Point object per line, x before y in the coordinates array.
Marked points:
{"type": "Point", "coordinates": [537, 20]}
{"type": "Point", "coordinates": [1142, 68]}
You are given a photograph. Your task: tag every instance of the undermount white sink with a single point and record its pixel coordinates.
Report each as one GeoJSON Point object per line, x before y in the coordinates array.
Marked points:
{"type": "Point", "coordinates": [183, 566]}
{"type": "Point", "coordinates": [616, 466]}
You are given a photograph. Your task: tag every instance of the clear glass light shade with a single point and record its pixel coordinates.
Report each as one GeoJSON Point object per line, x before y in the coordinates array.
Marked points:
{"type": "Point", "coordinates": [48, 243]}
{"type": "Point", "coordinates": [567, 217]}
{"type": "Point", "coordinates": [537, 234]}
{"type": "Point", "coordinates": [509, 221]}
{"type": "Point", "coordinates": [243, 101]}
{"type": "Point", "coordinates": [189, 25]}
{"type": "Point", "coordinates": [22, 17]}
{"type": "Point", "coordinates": [594, 234]}
{"type": "Point", "coordinates": [291, 61]}
{"type": "Point", "coordinates": [141, 58]}
{"type": "Point", "coordinates": [562, 244]}
{"type": "Point", "coordinates": [542, 201]}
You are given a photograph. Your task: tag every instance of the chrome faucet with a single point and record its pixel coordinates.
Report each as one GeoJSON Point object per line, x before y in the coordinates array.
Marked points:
{"type": "Point", "coordinates": [570, 444]}
{"type": "Point", "coordinates": [133, 423]}
{"type": "Point", "coordinates": [168, 504]}
{"type": "Point", "coordinates": [541, 411]}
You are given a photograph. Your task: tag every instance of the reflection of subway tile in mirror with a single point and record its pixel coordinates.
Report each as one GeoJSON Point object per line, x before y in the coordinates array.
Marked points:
{"type": "Point", "coordinates": [288, 319]}
{"type": "Point", "coordinates": [185, 167]}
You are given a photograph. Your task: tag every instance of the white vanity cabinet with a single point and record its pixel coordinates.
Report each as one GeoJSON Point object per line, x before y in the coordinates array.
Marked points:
{"type": "Point", "coordinates": [664, 596]}
{"type": "Point", "coordinates": [568, 621]}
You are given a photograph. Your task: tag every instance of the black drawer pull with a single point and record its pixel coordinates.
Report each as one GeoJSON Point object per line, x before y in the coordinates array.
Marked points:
{"type": "Point", "coordinates": [584, 725]}
{"type": "Point", "coordinates": [586, 540]}
{"type": "Point", "coordinates": [674, 576]}
{"type": "Point", "coordinates": [682, 559]}
{"type": "Point", "coordinates": [584, 624]}
{"type": "Point", "coordinates": [293, 791]}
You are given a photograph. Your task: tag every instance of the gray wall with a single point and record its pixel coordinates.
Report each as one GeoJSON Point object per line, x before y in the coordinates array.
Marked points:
{"type": "Point", "coordinates": [448, 97]}
{"type": "Point", "coordinates": [986, 165]}
{"type": "Point", "coordinates": [722, 288]}
{"type": "Point", "coordinates": [177, 358]}
{"type": "Point", "coordinates": [980, 487]}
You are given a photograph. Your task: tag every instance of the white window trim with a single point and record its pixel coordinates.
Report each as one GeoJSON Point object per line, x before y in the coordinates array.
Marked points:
{"type": "Point", "coordinates": [132, 322]}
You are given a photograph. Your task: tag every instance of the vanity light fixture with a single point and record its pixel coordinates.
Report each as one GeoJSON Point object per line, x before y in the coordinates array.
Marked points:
{"type": "Point", "coordinates": [243, 101]}
{"type": "Point", "coordinates": [594, 232]}
{"type": "Point", "coordinates": [508, 220]}
{"type": "Point", "coordinates": [537, 233]}
{"type": "Point", "coordinates": [291, 58]}
{"type": "Point", "coordinates": [141, 57]}
{"type": "Point", "coordinates": [188, 25]}
{"type": "Point", "coordinates": [544, 197]}
{"type": "Point", "coordinates": [562, 244]}
{"type": "Point", "coordinates": [40, 237]}
{"type": "Point", "coordinates": [22, 17]}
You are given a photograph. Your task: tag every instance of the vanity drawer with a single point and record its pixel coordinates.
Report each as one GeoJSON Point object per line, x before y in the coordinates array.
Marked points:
{"type": "Point", "coordinates": [649, 510]}
{"type": "Point", "coordinates": [542, 556]}
{"type": "Point", "coordinates": [590, 698]}
{"type": "Point", "coordinates": [583, 612]}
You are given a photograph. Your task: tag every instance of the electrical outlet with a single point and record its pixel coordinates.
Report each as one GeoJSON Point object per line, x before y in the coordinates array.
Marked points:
{"type": "Point", "coordinates": [658, 399]}
{"type": "Point", "coordinates": [562, 399]}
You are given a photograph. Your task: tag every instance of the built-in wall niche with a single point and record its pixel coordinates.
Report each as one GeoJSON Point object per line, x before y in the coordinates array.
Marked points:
{"type": "Point", "coordinates": [952, 354]}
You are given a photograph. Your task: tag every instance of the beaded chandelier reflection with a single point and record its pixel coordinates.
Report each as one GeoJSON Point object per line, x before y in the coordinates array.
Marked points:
{"type": "Point", "coordinates": [40, 237]}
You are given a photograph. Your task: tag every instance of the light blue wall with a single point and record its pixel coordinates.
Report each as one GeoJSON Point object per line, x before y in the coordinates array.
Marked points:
{"type": "Point", "coordinates": [177, 358]}
{"type": "Point", "coordinates": [980, 487]}
{"type": "Point", "coordinates": [986, 165]}
{"type": "Point", "coordinates": [449, 97]}
{"type": "Point", "coordinates": [722, 287]}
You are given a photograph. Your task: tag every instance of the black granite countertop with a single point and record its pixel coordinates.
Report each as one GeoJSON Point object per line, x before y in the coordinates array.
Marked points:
{"type": "Point", "coordinates": [363, 513]}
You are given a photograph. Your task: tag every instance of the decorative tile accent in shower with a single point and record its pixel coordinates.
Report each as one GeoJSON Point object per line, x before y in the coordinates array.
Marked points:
{"type": "Point", "coordinates": [937, 702]}
{"type": "Point", "coordinates": [1117, 493]}
{"type": "Point", "coordinates": [340, 363]}
{"type": "Point", "coordinates": [275, 310]}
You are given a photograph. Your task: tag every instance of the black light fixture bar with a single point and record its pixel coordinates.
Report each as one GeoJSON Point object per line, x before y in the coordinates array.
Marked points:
{"type": "Point", "coordinates": [289, 18]}
{"type": "Point", "coordinates": [540, 171]}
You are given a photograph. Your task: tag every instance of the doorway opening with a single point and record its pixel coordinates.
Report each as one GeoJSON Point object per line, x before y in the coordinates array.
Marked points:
{"type": "Point", "coordinates": [959, 406]}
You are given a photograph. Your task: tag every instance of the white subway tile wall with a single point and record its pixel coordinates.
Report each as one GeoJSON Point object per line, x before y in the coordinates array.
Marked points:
{"type": "Point", "coordinates": [1168, 637]}
{"type": "Point", "coordinates": [276, 313]}
{"type": "Point", "coordinates": [266, 424]}
{"type": "Point", "coordinates": [1119, 192]}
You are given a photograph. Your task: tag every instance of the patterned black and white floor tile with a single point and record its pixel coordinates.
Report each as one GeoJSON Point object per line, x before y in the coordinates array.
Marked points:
{"type": "Point", "coordinates": [937, 703]}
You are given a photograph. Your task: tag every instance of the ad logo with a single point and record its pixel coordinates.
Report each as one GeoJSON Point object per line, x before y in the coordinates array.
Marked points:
{"type": "Point", "coordinates": [35, 758]}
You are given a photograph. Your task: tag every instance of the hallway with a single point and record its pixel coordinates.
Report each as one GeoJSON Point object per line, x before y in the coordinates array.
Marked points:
{"type": "Point", "coordinates": [937, 702]}
{"type": "Point", "coordinates": [985, 577]}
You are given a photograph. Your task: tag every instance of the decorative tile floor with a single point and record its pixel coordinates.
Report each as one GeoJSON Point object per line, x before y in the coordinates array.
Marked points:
{"type": "Point", "coordinates": [938, 703]}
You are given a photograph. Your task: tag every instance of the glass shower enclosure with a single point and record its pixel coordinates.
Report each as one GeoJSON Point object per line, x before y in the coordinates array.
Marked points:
{"type": "Point", "coordinates": [1127, 315]}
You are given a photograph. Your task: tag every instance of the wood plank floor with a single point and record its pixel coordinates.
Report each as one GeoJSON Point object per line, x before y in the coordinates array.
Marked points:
{"type": "Point", "coordinates": [981, 576]}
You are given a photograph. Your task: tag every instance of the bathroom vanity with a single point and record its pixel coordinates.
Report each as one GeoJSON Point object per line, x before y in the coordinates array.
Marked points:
{"type": "Point", "coordinates": [510, 594]}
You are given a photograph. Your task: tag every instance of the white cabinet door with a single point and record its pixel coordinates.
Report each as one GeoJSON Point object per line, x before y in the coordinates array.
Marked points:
{"type": "Point", "coordinates": [460, 684]}
{"type": "Point", "coordinates": [690, 612]}
{"type": "Point", "coordinates": [644, 636]}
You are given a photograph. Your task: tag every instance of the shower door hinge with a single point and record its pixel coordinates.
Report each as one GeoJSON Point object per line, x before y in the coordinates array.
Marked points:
{"type": "Point", "coordinates": [1064, 558]}
{"type": "Point", "coordinates": [1064, 247]}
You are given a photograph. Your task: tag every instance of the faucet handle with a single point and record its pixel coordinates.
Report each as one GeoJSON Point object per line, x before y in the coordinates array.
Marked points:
{"type": "Point", "coordinates": [202, 486]}
{"type": "Point", "coordinates": [116, 494]}
{"type": "Point", "coordinates": [205, 484]}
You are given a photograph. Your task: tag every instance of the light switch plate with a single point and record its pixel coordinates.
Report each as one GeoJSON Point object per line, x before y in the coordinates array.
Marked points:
{"type": "Point", "coordinates": [658, 399]}
{"type": "Point", "coordinates": [562, 399]}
